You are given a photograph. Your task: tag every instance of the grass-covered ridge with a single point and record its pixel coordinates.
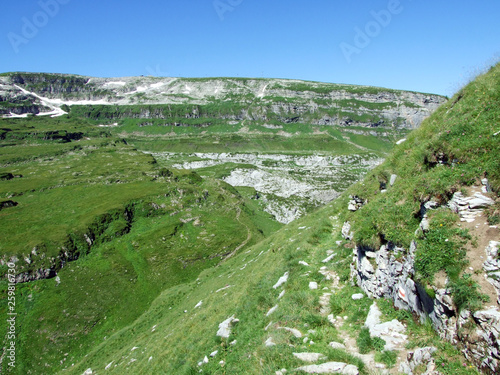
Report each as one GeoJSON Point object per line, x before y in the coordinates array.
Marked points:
{"type": "Point", "coordinates": [452, 150]}
{"type": "Point", "coordinates": [153, 241]}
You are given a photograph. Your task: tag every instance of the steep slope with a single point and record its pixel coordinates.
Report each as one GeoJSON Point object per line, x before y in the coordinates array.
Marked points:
{"type": "Point", "coordinates": [430, 241]}
{"type": "Point", "coordinates": [262, 310]}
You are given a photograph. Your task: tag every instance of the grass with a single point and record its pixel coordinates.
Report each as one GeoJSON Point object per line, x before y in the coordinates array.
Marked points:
{"type": "Point", "coordinates": [162, 242]}
{"type": "Point", "coordinates": [452, 149]}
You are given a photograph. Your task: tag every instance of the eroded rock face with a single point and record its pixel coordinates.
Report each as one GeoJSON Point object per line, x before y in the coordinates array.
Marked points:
{"type": "Point", "coordinates": [388, 273]}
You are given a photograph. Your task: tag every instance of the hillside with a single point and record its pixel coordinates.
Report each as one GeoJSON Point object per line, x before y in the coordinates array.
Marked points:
{"type": "Point", "coordinates": [144, 267]}
{"type": "Point", "coordinates": [294, 144]}
{"type": "Point", "coordinates": [275, 289]}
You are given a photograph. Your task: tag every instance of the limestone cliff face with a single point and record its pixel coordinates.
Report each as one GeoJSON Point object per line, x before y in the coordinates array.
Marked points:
{"type": "Point", "coordinates": [274, 101]}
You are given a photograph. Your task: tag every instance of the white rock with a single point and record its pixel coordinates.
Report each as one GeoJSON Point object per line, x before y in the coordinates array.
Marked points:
{"type": "Point", "coordinates": [283, 279]}
{"type": "Point", "coordinates": [225, 327]}
{"type": "Point", "coordinates": [401, 141]}
{"type": "Point", "coordinates": [214, 353]}
{"type": "Point", "coordinates": [293, 331]}
{"type": "Point", "coordinates": [304, 263]}
{"type": "Point", "coordinates": [393, 179]}
{"type": "Point", "coordinates": [329, 258]}
{"type": "Point", "coordinates": [108, 365]}
{"type": "Point", "coordinates": [198, 304]}
{"type": "Point", "coordinates": [309, 357]}
{"type": "Point", "coordinates": [346, 231]}
{"type": "Point", "coordinates": [88, 372]}
{"type": "Point", "coordinates": [313, 285]}
{"type": "Point", "coordinates": [330, 368]}
{"type": "Point", "coordinates": [271, 310]}
{"type": "Point", "coordinates": [357, 296]}
{"type": "Point", "coordinates": [281, 294]}
{"type": "Point", "coordinates": [391, 332]}
{"type": "Point", "coordinates": [270, 342]}
{"type": "Point", "coordinates": [281, 372]}
{"type": "Point", "coordinates": [480, 201]}
{"type": "Point", "coordinates": [336, 345]}
{"type": "Point", "coordinates": [331, 319]}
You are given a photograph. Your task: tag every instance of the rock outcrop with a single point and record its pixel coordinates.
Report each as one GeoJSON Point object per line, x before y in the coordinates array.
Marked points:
{"type": "Point", "coordinates": [389, 272]}
{"type": "Point", "coordinates": [276, 101]}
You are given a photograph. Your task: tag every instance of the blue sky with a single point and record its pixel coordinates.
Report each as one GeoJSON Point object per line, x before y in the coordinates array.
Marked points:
{"type": "Point", "coordinates": [420, 45]}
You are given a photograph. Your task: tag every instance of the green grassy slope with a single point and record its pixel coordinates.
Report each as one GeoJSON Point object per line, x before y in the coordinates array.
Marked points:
{"type": "Point", "coordinates": [136, 228]}
{"type": "Point", "coordinates": [454, 148]}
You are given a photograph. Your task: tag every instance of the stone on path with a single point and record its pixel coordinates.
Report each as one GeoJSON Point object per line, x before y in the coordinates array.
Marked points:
{"type": "Point", "coordinates": [336, 345]}
{"type": "Point", "coordinates": [391, 332]}
{"type": "Point", "coordinates": [283, 279]}
{"type": "Point", "coordinates": [330, 368]}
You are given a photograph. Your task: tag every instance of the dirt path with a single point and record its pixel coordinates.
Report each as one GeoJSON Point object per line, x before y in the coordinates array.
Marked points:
{"type": "Point", "coordinates": [249, 235]}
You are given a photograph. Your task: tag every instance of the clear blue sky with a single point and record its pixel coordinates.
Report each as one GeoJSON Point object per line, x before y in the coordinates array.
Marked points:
{"type": "Point", "coordinates": [422, 45]}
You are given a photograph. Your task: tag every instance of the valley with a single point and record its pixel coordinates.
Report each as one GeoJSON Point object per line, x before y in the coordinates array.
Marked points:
{"type": "Point", "coordinates": [144, 216]}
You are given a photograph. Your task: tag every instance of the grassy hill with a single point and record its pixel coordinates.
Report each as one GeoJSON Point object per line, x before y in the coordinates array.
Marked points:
{"type": "Point", "coordinates": [164, 256]}
{"type": "Point", "coordinates": [177, 332]}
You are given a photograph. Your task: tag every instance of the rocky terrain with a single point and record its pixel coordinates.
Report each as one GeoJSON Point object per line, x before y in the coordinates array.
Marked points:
{"type": "Point", "coordinates": [268, 101]}
{"type": "Point", "coordinates": [285, 184]}
{"type": "Point", "coordinates": [142, 220]}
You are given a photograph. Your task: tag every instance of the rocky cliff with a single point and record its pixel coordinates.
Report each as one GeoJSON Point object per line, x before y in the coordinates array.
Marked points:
{"type": "Point", "coordinates": [273, 101]}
